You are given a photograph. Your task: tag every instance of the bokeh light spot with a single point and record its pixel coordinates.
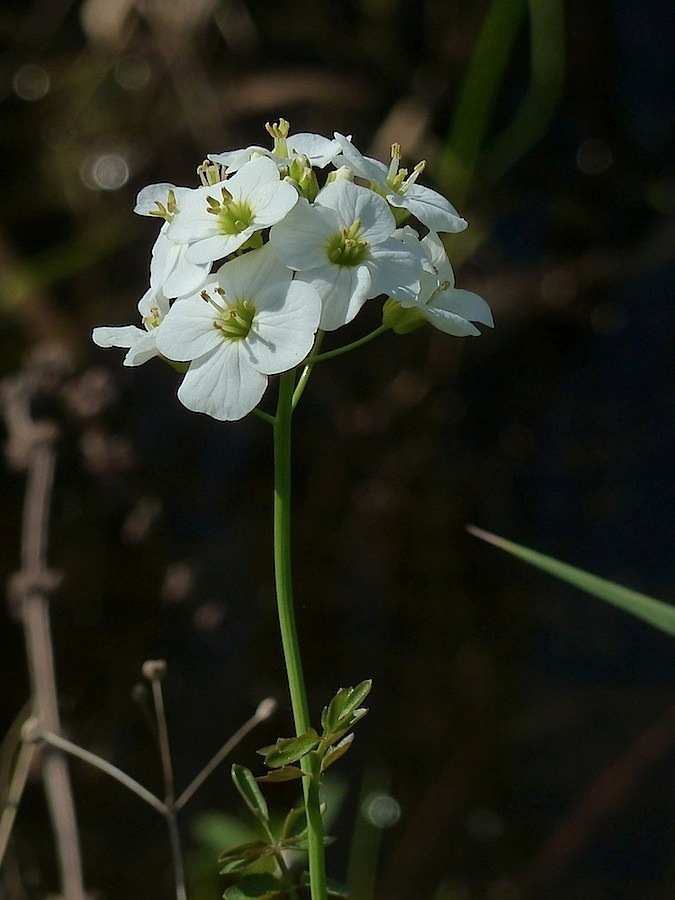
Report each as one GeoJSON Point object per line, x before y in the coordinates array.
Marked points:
{"type": "Point", "coordinates": [106, 172]}
{"type": "Point", "coordinates": [594, 156]}
{"type": "Point", "coordinates": [381, 810]}
{"type": "Point", "coordinates": [31, 82]}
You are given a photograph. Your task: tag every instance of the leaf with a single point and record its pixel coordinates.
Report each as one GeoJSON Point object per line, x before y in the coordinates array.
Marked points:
{"type": "Point", "coordinates": [334, 753]}
{"type": "Point", "coordinates": [257, 885]}
{"type": "Point", "coordinates": [335, 889]}
{"type": "Point", "coordinates": [244, 855]}
{"type": "Point", "coordinates": [289, 750]}
{"type": "Point", "coordinates": [342, 706]}
{"type": "Point", "coordinates": [285, 773]}
{"type": "Point", "coordinates": [294, 824]}
{"type": "Point", "coordinates": [656, 613]}
{"type": "Point", "coordinates": [246, 784]}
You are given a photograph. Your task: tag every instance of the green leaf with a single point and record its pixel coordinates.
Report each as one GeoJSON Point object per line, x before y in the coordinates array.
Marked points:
{"type": "Point", "coordinates": [656, 613]}
{"type": "Point", "coordinates": [290, 750]}
{"type": "Point", "coordinates": [342, 706]}
{"type": "Point", "coordinates": [334, 753]}
{"type": "Point", "coordinates": [244, 855]}
{"type": "Point", "coordinates": [262, 886]}
{"type": "Point", "coordinates": [294, 823]}
{"type": "Point", "coordinates": [285, 773]}
{"type": "Point", "coordinates": [335, 889]}
{"type": "Point", "coordinates": [246, 784]}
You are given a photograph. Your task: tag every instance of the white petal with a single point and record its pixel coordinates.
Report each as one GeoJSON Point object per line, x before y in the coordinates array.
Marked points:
{"type": "Point", "coordinates": [351, 202]}
{"type": "Point", "coordinates": [144, 350]}
{"type": "Point", "coordinates": [216, 247]}
{"type": "Point", "coordinates": [285, 325]}
{"type": "Point", "coordinates": [300, 240]}
{"type": "Point", "coordinates": [252, 176]}
{"type": "Point", "coordinates": [117, 336]}
{"type": "Point", "coordinates": [271, 201]}
{"type": "Point", "coordinates": [233, 160]}
{"type": "Point", "coordinates": [464, 303]}
{"type": "Point", "coordinates": [148, 197]}
{"type": "Point", "coordinates": [319, 150]}
{"type": "Point", "coordinates": [153, 300]}
{"type": "Point", "coordinates": [365, 166]}
{"type": "Point", "coordinates": [246, 276]}
{"type": "Point", "coordinates": [343, 291]}
{"type": "Point", "coordinates": [430, 207]}
{"type": "Point", "coordinates": [435, 250]}
{"type": "Point", "coordinates": [395, 270]}
{"type": "Point", "coordinates": [449, 322]}
{"type": "Point", "coordinates": [187, 330]}
{"type": "Point", "coordinates": [140, 343]}
{"type": "Point", "coordinates": [223, 384]}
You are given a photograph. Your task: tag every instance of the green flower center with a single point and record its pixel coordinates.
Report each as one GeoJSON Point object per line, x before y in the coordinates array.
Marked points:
{"type": "Point", "coordinates": [234, 216]}
{"type": "Point", "coordinates": [234, 322]}
{"type": "Point", "coordinates": [346, 248]}
{"type": "Point", "coordinates": [153, 320]}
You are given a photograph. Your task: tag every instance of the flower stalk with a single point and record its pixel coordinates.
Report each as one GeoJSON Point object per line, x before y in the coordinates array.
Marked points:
{"type": "Point", "coordinates": [288, 628]}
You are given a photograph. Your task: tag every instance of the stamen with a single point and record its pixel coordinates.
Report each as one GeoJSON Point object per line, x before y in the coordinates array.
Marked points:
{"type": "Point", "coordinates": [395, 160]}
{"type": "Point", "coordinates": [210, 173]}
{"type": "Point", "coordinates": [166, 212]}
{"type": "Point", "coordinates": [204, 294]}
{"type": "Point", "coordinates": [279, 131]}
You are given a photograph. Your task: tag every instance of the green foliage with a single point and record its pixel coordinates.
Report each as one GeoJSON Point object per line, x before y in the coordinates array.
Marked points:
{"type": "Point", "coordinates": [255, 856]}
{"type": "Point", "coordinates": [289, 750]}
{"type": "Point", "coordinates": [656, 613]}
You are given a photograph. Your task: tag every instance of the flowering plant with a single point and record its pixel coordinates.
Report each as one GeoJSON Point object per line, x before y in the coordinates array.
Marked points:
{"type": "Point", "coordinates": [248, 272]}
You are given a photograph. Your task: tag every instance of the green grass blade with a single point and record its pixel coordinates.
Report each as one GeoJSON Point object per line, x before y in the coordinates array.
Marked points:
{"type": "Point", "coordinates": [656, 613]}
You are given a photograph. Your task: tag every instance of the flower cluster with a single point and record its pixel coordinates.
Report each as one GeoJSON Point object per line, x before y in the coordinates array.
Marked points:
{"type": "Point", "coordinates": [250, 266]}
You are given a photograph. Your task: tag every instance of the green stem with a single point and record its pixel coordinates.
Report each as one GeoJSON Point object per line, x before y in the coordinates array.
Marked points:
{"type": "Point", "coordinates": [287, 626]}
{"type": "Point", "coordinates": [307, 371]}
{"type": "Point", "coordinates": [329, 354]}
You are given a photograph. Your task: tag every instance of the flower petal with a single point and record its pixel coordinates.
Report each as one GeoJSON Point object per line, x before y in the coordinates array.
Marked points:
{"type": "Point", "coordinates": [223, 383]}
{"type": "Point", "coordinates": [285, 325]}
{"type": "Point", "coordinates": [187, 331]}
{"type": "Point", "coordinates": [430, 207]}
{"type": "Point", "coordinates": [464, 303]}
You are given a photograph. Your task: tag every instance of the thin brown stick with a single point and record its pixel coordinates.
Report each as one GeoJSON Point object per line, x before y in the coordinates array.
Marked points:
{"type": "Point", "coordinates": [33, 586]}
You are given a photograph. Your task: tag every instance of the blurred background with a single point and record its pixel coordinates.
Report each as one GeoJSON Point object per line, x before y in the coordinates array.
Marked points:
{"type": "Point", "coordinates": [521, 739]}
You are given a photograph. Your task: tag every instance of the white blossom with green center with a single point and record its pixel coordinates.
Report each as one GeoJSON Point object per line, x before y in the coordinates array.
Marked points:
{"type": "Point", "coordinates": [216, 220]}
{"type": "Point", "coordinates": [319, 151]}
{"type": "Point", "coordinates": [250, 320]}
{"type": "Point", "coordinates": [400, 188]}
{"type": "Point", "coordinates": [343, 246]}
{"type": "Point", "coordinates": [170, 271]}
{"type": "Point", "coordinates": [154, 305]}
{"type": "Point", "coordinates": [439, 302]}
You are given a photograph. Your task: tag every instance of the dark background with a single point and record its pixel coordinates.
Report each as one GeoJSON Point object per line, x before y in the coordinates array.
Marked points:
{"type": "Point", "coordinates": [526, 731]}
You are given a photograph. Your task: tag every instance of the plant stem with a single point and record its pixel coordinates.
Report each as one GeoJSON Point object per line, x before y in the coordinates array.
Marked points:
{"type": "Point", "coordinates": [329, 354]}
{"type": "Point", "coordinates": [287, 626]}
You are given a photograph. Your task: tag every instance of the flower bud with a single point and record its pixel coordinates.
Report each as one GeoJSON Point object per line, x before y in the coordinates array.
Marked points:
{"type": "Point", "coordinates": [344, 173]}
{"type": "Point", "coordinates": [401, 319]}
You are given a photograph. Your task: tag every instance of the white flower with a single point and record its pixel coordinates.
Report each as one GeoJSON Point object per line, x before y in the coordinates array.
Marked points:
{"type": "Point", "coordinates": [169, 270]}
{"type": "Point", "coordinates": [401, 190]}
{"type": "Point", "coordinates": [140, 342]}
{"type": "Point", "coordinates": [250, 321]}
{"type": "Point", "coordinates": [343, 246]}
{"type": "Point", "coordinates": [170, 276]}
{"type": "Point", "coordinates": [439, 302]}
{"type": "Point", "coordinates": [319, 150]}
{"type": "Point", "coordinates": [216, 220]}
